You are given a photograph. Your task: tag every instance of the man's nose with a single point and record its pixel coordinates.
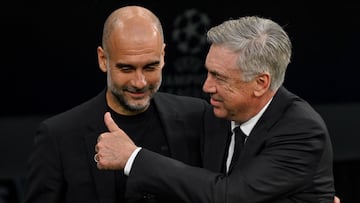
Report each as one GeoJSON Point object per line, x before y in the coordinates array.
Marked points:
{"type": "Point", "coordinates": [208, 87]}
{"type": "Point", "coordinates": [139, 80]}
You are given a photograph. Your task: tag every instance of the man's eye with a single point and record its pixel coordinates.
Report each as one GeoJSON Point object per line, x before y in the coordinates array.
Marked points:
{"type": "Point", "coordinates": [150, 68]}
{"type": "Point", "coordinates": [125, 69]}
{"type": "Point", "coordinates": [217, 76]}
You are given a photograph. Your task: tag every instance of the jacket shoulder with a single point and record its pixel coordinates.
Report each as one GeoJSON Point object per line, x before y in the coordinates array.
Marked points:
{"type": "Point", "coordinates": [172, 99]}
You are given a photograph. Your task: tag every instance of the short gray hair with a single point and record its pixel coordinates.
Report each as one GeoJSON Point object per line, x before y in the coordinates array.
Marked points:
{"type": "Point", "coordinates": [262, 44]}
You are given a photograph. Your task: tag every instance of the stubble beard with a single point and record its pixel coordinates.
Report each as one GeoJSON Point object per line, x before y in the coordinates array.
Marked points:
{"type": "Point", "coordinates": [124, 102]}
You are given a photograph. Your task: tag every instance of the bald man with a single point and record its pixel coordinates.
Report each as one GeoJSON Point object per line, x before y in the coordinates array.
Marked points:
{"type": "Point", "coordinates": [62, 166]}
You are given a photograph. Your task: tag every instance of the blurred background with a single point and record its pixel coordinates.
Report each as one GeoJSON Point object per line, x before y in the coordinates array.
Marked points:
{"type": "Point", "coordinates": [49, 64]}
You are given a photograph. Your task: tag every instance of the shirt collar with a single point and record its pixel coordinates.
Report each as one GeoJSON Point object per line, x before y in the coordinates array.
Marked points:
{"type": "Point", "coordinates": [247, 126]}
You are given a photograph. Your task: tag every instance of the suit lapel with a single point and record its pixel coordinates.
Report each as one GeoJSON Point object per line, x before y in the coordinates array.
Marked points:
{"type": "Point", "coordinates": [273, 113]}
{"type": "Point", "coordinates": [104, 179]}
{"type": "Point", "coordinates": [174, 129]}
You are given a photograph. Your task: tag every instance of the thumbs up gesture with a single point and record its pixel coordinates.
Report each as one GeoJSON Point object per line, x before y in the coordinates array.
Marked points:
{"type": "Point", "coordinates": [113, 148]}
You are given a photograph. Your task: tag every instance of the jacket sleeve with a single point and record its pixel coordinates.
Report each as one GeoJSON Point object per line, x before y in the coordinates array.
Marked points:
{"type": "Point", "coordinates": [286, 165]}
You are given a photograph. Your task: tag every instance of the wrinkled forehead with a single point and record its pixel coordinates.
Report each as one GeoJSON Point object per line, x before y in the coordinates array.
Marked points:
{"type": "Point", "coordinates": [221, 57]}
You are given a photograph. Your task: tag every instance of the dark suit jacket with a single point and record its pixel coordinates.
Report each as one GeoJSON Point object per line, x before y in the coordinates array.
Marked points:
{"type": "Point", "coordinates": [287, 158]}
{"type": "Point", "coordinates": [62, 167]}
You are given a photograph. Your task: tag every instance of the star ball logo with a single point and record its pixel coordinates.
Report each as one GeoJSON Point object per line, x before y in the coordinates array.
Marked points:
{"type": "Point", "coordinates": [189, 37]}
{"type": "Point", "coordinates": [189, 32]}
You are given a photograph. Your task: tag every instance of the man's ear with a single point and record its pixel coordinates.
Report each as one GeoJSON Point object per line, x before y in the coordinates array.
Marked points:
{"type": "Point", "coordinates": [262, 84]}
{"type": "Point", "coordinates": [163, 55]}
{"type": "Point", "coordinates": [102, 59]}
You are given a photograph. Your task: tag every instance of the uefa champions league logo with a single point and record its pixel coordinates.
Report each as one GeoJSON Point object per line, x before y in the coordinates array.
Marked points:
{"type": "Point", "coordinates": [189, 37]}
{"type": "Point", "coordinates": [190, 29]}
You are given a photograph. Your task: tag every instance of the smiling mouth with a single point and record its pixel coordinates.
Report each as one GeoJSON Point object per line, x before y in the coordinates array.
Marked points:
{"type": "Point", "coordinates": [137, 95]}
{"type": "Point", "coordinates": [214, 102]}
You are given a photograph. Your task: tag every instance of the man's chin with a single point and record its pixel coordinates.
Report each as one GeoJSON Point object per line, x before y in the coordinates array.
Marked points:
{"type": "Point", "coordinates": [218, 112]}
{"type": "Point", "coordinates": [139, 106]}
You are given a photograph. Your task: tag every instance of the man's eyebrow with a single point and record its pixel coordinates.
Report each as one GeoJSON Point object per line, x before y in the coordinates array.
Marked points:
{"type": "Point", "coordinates": [129, 65]}
{"type": "Point", "coordinates": [123, 65]}
{"type": "Point", "coordinates": [153, 63]}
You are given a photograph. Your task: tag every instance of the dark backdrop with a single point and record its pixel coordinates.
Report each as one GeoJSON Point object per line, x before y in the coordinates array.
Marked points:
{"type": "Point", "coordinates": [49, 61]}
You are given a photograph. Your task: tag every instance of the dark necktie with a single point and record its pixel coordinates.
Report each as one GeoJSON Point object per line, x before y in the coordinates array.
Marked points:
{"type": "Point", "coordinates": [239, 144]}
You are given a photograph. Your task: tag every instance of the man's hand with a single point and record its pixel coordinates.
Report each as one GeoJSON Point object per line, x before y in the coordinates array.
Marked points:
{"type": "Point", "coordinates": [114, 147]}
